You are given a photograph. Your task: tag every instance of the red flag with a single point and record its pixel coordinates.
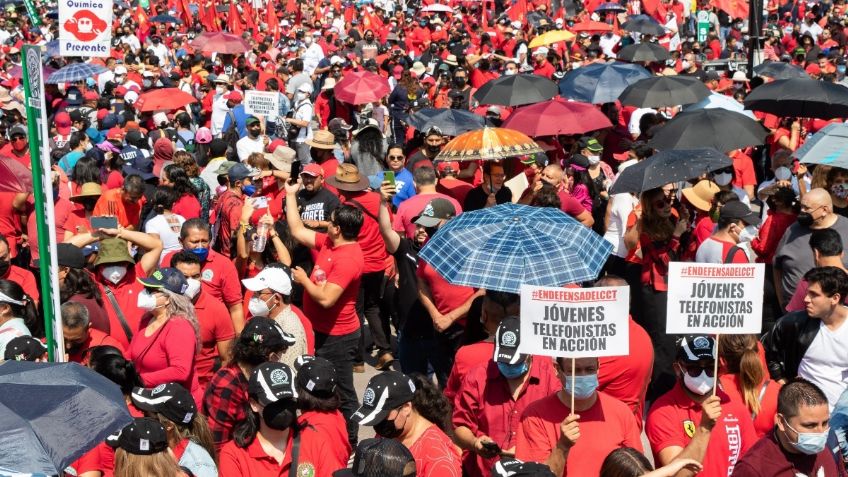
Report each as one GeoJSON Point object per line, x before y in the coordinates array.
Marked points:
{"type": "Point", "coordinates": [591, 5]}
{"type": "Point", "coordinates": [233, 20]}
{"type": "Point", "coordinates": [185, 14]}
{"type": "Point", "coordinates": [517, 11]}
{"type": "Point", "coordinates": [212, 12]}
{"type": "Point", "coordinates": [291, 6]}
{"type": "Point", "coordinates": [202, 15]}
{"type": "Point", "coordinates": [272, 21]}
{"type": "Point", "coordinates": [249, 17]}
{"type": "Point", "coordinates": [349, 13]}
{"type": "Point", "coordinates": [734, 8]}
{"type": "Point", "coordinates": [650, 7]}
{"type": "Point", "coordinates": [154, 8]}
{"type": "Point", "coordinates": [143, 19]}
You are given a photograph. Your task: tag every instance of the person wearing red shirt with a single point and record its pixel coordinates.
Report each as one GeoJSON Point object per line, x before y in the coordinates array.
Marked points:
{"type": "Point", "coordinates": [216, 328]}
{"type": "Point", "coordinates": [393, 404]}
{"type": "Point", "coordinates": [264, 447]}
{"type": "Point", "coordinates": [744, 176]}
{"type": "Point", "coordinates": [187, 205]}
{"type": "Point", "coordinates": [78, 334]}
{"type": "Point", "coordinates": [218, 276]}
{"type": "Point", "coordinates": [330, 292]}
{"type": "Point", "coordinates": [744, 378]}
{"type": "Point", "coordinates": [493, 397]}
{"type": "Point", "coordinates": [779, 217]}
{"type": "Point", "coordinates": [16, 274]}
{"type": "Point", "coordinates": [692, 422]}
{"type": "Point", "coordinates": [782, 452]}
{"type": "Point", "coordinates": [18, 146]}
{"type": "Point", "coordinates": [168, 340]}
{"type": "Point", "coordinates": [228, 211]}
{"type": "Point", "coordinates": [327, 106]}
{"type": "Point", "coordinates": [549, 428]}
{"type": "Point", "coordinates": [12, 206]}
{"type": "Point", "coordinates": [541, 65]}
{"type": "Point", "coordinates": [449, 183]}
{"type": "Point", "coordinates": [124, 203]}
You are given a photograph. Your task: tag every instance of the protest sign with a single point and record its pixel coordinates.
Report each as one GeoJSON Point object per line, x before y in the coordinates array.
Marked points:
{"type": "Point", "coordinates": [574, 322]}
{"type": "Point", "coordinates": [706, 298]}
{"type": "Point", "coordinates": [85, 27]}
{"type": "Point", "coordinates": [261, 103]}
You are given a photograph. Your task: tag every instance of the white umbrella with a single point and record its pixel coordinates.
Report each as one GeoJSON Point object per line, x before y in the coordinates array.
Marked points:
{"type": "Point", "coordinates": [720, 101]}
{"type": "Point", "coordinates": [437, 8]}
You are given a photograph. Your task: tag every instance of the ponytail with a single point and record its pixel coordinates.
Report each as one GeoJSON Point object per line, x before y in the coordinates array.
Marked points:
{"type": "Point", "coordinates": [740, 354]}
{"type": "Point", "coordinates": [431, 404]}
{"type": "Point", "coordinates": [245, 431]}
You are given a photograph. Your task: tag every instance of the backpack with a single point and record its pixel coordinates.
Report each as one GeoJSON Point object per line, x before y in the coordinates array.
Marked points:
{"type": "Point", "coordinates": [231, 134]}
{"type": "Point", "coordinates": [187, 145]}
{"type": "Point", "coordinates": [222, 210]}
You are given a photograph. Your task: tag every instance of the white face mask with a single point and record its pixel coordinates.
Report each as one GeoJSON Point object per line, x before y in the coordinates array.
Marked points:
{"type": "Point", "coordinates": [685, 64]}
{"type": "Point", "coordinates": [509, 72]}
{"type": "Point", "coordinates": [193, 288]}
{"type": "Point", "coordinates": [302, 95]}
{"type": "Point", "coordinates": [782, 173]}
{"type": "Point", "coordinates": [221, 89]}
{"type": "Point", "coordinates": [114, 273]}
{"type": "Point", "coordinates": [723, 179]}
{"type": "Point", "coordinates": [257, 307]}
{"type": "Point", "coordinates": [593, 160]}
{"type": "Point", "coordinates": [146, 301]}
{"type": "Point", "coordinates": [700, 385]}
{"type": "Point", "coordinates": [748, 233]}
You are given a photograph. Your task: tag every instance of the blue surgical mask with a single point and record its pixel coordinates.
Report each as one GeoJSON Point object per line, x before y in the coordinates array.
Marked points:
{"type": "Point", "coordinates": [514, 371]}
{"type": "Point", "coordinates": [583, 386]}
{"type": "Point", "coordinates": [248, 190]}
{"type": "Point", "coordinates": [202, 253]}
{"type": "Point", "coordinates": [810, 443]}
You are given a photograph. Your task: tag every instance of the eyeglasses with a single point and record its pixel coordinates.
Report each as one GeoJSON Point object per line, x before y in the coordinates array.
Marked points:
{"type": "Point", "coordinates": [663, 202]}
{"type": "Point", "coordinates": [694, 370]}
{"type": "Point", "coordinates": [396, 158]}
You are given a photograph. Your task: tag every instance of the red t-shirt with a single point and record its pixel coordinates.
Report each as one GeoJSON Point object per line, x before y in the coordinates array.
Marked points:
{"type": "Point", "coordinates": [25, 279]}
{"type": "Point", "coordinates": [626, 378]}
{"type": "Point", "coordinates": [467, 357]}
{"type": "Point", "coordinates": [215, 326]}
{"type": "Point", "coordinates": [370, 240]}
{"type": "Point", "coordinates": [62, 211]}
{"type": "Point", "coordinates": [126, 294]}
{"type": "Point", "coordinates": [332, 429]}
{"type": "Point", "coordinates": [604, 427]}
{"type": "Point", "coordinates": [95, 338]}
{"type": "Point", "coordinates": [454, 188]}
{"type": "Point", "coordinates": [675, 412]}
{"type": "Point", "coordinates": [743, 166]}
{"type": "Point", "coordinates": [188, 206]}
{"type": "Point", "coordinates": [767, 391]}
{"type": "Point", "coordinates": [10, 222]}
{"type": "Point", "coordinates": [435, 455]}
{"type": "Point", "coordinates": [343, 266]}
{"type": "Point", "coordinates": [446, 297]}
{"type": "Point", "coordinates": [218, 277]}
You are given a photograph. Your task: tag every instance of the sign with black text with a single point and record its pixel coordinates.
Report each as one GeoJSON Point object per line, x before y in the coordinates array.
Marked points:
{"type": "Point", "coordinates": [85, 27]}
{"type": "Point", "coordinates": [707, 298]}
{"type": "Point", "coordinates": [261, 103]}
{"type": "Point", "coordinates": [574, 322]}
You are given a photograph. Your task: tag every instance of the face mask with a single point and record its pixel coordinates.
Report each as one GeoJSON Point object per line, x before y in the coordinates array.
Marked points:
{"type": "Point", "coordinates": [510, 72]}
{"type": "Point", "coordinates": [248, 190]}
{"type": "Point", "coordinates": [782, 173]}
{"type": "Point", "coordinates": [146, 301]}
{"type": "Point", "coordinates": [193, 288]}
{"type": "Point", "coordinates": [279, 415]}
{"type": "Point", "coordinates": [700, 385]}
{"type": "Point", "coordinates": [583, 386]}
{"type": "Point", "coordinates": [593, 160]}
{"type": "Point", "coordinates": [19, 145]}
{"type": "Point", "coordinates": [460, 82]}
{"type": "Point", "coordinates": [840, 190]}
{"type": "Point", "coordinates": [841, 69]}
{"type": "Point", "coordinates": [202, 253]}
{"type": "Point", "coordinates": [254, 133]}
{"type": "Point", "coordinates": [685, 65]}
{"type": "Point", "coordinates": [220, 89]}
{"type": "Point", "coordinates": [805, 219]}
{"type": "Point", "coordinates": [748, 233]}
{"type": "Point", "coordinates": [723, 179]}
{"type": "Point", "coordinates": [810, 443]}
{"type": "Point", "coordinates": [114, 273]}
{"type": "Point", "coordinates": [513, 371]}
{"type": "Point", "coordinates": [387, 429]}
{"type": "Point", "coordinates": [4, 267]}
{"type": "Point", "coordinates": [302, 96]}
{"type": "Point", "coordinates": [257, 307]}
{"type": "Point", "coordinates": [434, 149]}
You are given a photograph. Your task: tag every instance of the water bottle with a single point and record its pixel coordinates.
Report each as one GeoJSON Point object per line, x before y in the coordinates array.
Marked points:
{"type": "Point", "coordinates": [319, 275]}
{"type": "Point", "coordinates": [261, 237]}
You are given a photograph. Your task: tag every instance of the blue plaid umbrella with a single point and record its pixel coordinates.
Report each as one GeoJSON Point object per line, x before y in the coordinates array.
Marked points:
{"type": "Point", "coordinates": [75, 72]}
{"type": "Point", "coordinates": [503, 247]}
{"type": "Point", "coordinates": [600, 83]}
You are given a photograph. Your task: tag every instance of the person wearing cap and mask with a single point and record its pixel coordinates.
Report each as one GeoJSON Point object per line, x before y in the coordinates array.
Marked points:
{"type": "Point", "coordinates": [302, 114]}
{"type": "Point", "coordinates": [493, 397]}
{"type": "Point", "coordinates": [723, 245]}
{"type": "Point", "coordinates": [168, 339]}
{"type": "Point", "coordinates": [228, 210]}
{"type": "Point", "coordinates": [692, 421]}
{"type": "Point", "coordinates": [541, 65]}
{"type": "Point", "coordinates": [79, 335]}
{"type": "Point", "coordinates": [414, 412]}
{"type": "Point", "coordinates": [18, 146]}
{"type": "Point", "coordinates": [265, 440]}
{"type": "Point", "coordinates": [798, 443]}
{"type": "Point", "coordinates": [252, 142]}
{"type": "Point", "coordinates": [434, 140]}
{"type": "Point", "coordinates": [575, 442]}
{"type": "Point", "coordinates": [216, 327]}
{"type": "Point", "coordinates": [319, 403]}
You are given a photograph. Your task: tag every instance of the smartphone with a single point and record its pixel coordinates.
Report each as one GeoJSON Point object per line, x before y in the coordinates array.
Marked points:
{"type": "Point", "coordinates": [103, 222]}
{"type": "Point", "coordinates": [389, 176]}
{"type": "Point", "coordinates": [296, 167]}
{"type": "Point", "coordinates": [260, 202]}
{"type": "Point", "coordinates": [492, 447]}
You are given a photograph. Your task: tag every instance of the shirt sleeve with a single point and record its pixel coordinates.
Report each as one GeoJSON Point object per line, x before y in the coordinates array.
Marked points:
{"type": "Point", "coordinates": [570, 205]}
{"type": "Point", "coordinates": [662, 430]}
{"type": "Point", "coordinates": [179, 343]}
{"type": "Point", "coordinates": [532, 444]}
{"type": "Point", "coordinates": [344, 272]}
{"type": "Point", "coordinates": [230, 284]}
{"type": "Point", "coordinates": [466, 404]}
{"type": "Point", "coordinates": [223, 326]}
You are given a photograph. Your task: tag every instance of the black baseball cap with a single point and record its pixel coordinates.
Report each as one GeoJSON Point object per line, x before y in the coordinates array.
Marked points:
{"type": "Point", "coordinates": [435, 211]}
{"type": "Point", "coordinates": [517, 468]}
{"type": "Point", "coordinates": [507, 339]}
{"type": "Point", "coordinates": [693, 349]}
{"type": "Point", "coordinates": [144, 436]}
{"type": "Point", "coordinates": [268, 332]}
{"type": "Point", "coordinates": [271, 382]}
{"type": "Point", "coordinates": [168, 278]}
{"type": "Point", "coordinates": [171, 400]}
{"type": "Point", "coordinates": [24, 348]}
{"type": "Point", "coordinates": [316, 375]}
{"type": "Point", "coordinates": [385, 392]}
{"type": "Point", "coordinates": [736, 210]}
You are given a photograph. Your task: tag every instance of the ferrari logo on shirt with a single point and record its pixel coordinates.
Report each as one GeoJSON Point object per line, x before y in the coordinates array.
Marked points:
{"type": "Point", "coordinates": [689, 427]}
{"type": "Point", "coordinates": [306, 470]}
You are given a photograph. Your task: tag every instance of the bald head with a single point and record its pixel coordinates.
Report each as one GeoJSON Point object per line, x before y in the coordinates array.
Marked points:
{"type": "Point", "coordinates": [818, 205]}
{"type": "Point", "coordinates": [817, 198]}
{"type": "Point", "coordinates": [552, 174]}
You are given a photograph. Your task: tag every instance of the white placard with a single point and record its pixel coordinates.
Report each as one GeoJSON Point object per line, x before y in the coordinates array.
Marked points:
{"type": "Point", "coordinates": [706, 298]}
{"type": "Point", "coordinates": [85, 27]}
{"type": "Point", "coordinates": [261, 103]}
{"type": "Point", "coordinates": [574, 322]}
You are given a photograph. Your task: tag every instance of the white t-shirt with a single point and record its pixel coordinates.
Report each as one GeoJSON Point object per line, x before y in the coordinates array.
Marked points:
{"type": "Point", "coordinates": [247, 146]}
{"type": "Point", "coordinates": [620, 207]}
{"type": "Point", "coordinates": [635, 117]}
{"type": "Point", "coordinates": [10, 330]}
{"type": "Point", "coordinates": [209, 175]}
{"type": "Point", "coordinates": [826, 362]}
{"type": "Point", "coordinates": [168, 228]}
{"type": "Point", "coordinates": [304, 111]}
{"type": "Point", "coordinates": [219, 115]}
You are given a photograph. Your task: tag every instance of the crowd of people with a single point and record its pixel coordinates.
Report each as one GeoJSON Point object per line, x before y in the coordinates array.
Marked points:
{"type": "Point", "coordinates": [231, 272]}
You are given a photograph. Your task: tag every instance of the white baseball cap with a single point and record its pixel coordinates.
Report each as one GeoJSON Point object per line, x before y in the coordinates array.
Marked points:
{"type": "Point", "coordinates": [274, 278]}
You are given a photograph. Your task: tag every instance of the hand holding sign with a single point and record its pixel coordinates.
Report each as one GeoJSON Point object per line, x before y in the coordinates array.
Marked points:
{"type": "Point", "coordinates": [710, 412]}
{"type": "Point", "coordinates": [569, 431]}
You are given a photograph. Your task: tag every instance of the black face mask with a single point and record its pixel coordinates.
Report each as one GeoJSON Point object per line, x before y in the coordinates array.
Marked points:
{"type": "Point", "coordinates": [4, 267]}
{"type": "Point", "coordinates": [280, 415]}
{"type": "Point", "coordinates": [805, 219]}
{"type": "Point", "coordinates": [460, 82]}
{"type": "Point", "coordinates": [434, 149]}
{"type": "Point", "coordinates": [387, 429]}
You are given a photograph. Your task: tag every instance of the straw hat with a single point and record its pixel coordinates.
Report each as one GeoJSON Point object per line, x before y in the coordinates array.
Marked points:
{"type": "Point", "coordinates": [348, 178]}
{"type": "Point", "coordinates": [701, 194]}
{"type": "Point", "coordinates": [89, 189]}
{"type": "Point", "coordinates": [322, 139]}
{"type": "Point", "coordinates": [281, 158]}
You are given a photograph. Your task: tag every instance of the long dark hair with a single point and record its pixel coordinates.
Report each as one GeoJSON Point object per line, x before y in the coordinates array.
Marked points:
{"type": "Point", "coordinates": [86, 170]}
{"type": "Point", "coordinates": [248, 351]}
{"type": "Point", "coordinates": [181, 183]}
{"type": "Point", "coordinates": [27, 311]}
{"type": "Point", "coordinates": [79, 282]}
{"type": "Point", "coordinates": [431, 404]}
{"type": "Point", "coordinates": [114, 367]}
{"type": "Point", "coordinates": [625, 462]}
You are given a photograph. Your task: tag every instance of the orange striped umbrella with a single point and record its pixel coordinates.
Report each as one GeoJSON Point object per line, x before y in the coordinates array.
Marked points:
{"type": "Point", "coordinates": [488, 144]}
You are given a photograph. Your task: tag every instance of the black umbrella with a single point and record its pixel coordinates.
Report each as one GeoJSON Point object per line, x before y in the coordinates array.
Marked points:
{"type": "Point", "coordinates": [166, 19]}
{"type": "Point", "coordinates": [516, 90]}
{"type": "Point", "coordinates": [670, 166]}
{"type": "Point", "coordinates": [664, 91]}
{"type": "Point", "coordinates": [643, 24]}
{"type": "Point", "coordinates": [779, 70]}
{"type": "Point", "coordinates": [642, 52]}
{"type": "Point", "coordinates": [716, 128]}
{"type": "Point", "coordinates": [537, 19]}
{"type": "Point", "coordinates": [53, 413]}
{"type": "Point", "coordinates": [802, 98]}
{"type": "Point", "coordinates": [452, 122]}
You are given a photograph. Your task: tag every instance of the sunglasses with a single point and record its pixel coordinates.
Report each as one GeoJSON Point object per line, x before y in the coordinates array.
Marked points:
{"type": "Point", "coordinates": [396, 158]}
{"type": "Point", "coordinates": [663, 202]}
{"type": "Point", "coordinates": [695, 370]}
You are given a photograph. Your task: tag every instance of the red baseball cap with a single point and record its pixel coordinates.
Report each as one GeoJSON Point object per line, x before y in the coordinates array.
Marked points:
{"type": "Point", "coordinates": [116, 134]}
{"type": "Point", "coordinates": [313, 170]}
{"type": "Point", "coordinates": [452, 165]}
{"type": "Point", "coordinates": [234, 96]}
{"type": "Point", "coordinates": [90, 96]}
{"type": "Point", "coordinates": [63, 123]}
